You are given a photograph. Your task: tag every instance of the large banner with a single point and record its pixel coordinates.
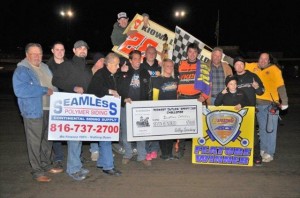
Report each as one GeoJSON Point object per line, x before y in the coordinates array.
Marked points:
{"type": "Point", "coordinates": [228, 137]}
{"type": "Point", "coordinates": [153, 34]}
{"type": "Point", "coordinates": [164, 119]}
{"type": "Point", "coordinates": [84, 117]}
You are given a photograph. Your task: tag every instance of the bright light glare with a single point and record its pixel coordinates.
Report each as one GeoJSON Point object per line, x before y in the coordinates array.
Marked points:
{"type": "Point", "coordinates": [70, 13]}
{"type": "Point", "coordinates": [180, 14]}
{"type": "Point", "coordinates": [67, 13]}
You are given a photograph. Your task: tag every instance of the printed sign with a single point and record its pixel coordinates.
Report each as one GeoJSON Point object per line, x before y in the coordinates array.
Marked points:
{"type": "Point", "coordinates": [153, 34]}
{"type": "Point", "coordinates": [228, 137]}
{"type": "Point", "coordinates": [164, 119]}
{"type": "Point", "coordinates": [84, 117]}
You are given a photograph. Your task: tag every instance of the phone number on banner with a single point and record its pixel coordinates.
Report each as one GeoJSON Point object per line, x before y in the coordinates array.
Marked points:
{"type": "Point", "coordinates": [84, 128]}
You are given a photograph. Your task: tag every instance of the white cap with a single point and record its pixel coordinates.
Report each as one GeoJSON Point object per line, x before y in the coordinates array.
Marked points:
{"type": "Point", "coordinates": [122, 15]}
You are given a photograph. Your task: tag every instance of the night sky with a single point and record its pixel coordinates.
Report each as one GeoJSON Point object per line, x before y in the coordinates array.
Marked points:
{"type": "Point", "coordinates": [252, 25]}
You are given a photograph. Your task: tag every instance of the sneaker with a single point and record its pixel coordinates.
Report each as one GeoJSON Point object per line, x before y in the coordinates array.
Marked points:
{"type": "Point", "coordinates": [148, 157]}
{"type": "Point", "coordinates": [94, 156]}
{"type": "Point", "coordinates": [257, 162]}
{"type": "Point", "coordinates": [84, 171]}
{"type": "Point", "coordinates": [167, 158]}
{"type": "Point", "coordinates": [163, 157]}
{"type": "Point", "coordinates": [55, 170]}
{"type": "Point", "coordinates": [267, 157]}
{"type": "Point", "coordinates": [118, 148]}
{"type": "Point", "coordinates": [125, 161]}
{"type": "Point", "coordinates": [146, 162]}
{"type": "Point", "coordinates": [78, 176]}
{"type": "Point", "coordinates": [153, 154]}
{"type": "Point", "coordinates": [42, 178]}
{"type": "Point", "coordinates": [262, 153]}
{"type": "Point", "coordinates": [134, 151]}
{"type": "Point", "coordinates": [84, 160]}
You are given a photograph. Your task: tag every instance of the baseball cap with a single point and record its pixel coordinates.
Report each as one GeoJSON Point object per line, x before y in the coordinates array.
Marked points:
{"type": "Point", "coordinates": [122, 15]}
{"type": "Point", "coordinates": [236, 59]}
{"type": "Point", "coordinates": [230, 78]}
{"type": "Point", "coordinates": [81, 43]}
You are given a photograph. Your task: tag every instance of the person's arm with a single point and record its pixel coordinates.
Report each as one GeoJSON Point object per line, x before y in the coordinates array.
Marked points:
{"type": "Point", "coordinates": [23, 86]}
{"type": "Point", "coordinates": [259, 89]}
{"type": "Point", "coordinates": [219, 98]}
{"type": "Point", "coordinates": [283, 96]}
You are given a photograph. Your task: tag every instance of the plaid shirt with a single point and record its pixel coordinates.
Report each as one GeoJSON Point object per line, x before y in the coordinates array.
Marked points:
{"type": "Point", "coordinates": [218, 80]}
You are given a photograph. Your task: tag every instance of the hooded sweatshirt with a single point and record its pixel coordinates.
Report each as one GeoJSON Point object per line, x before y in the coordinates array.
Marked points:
{"type": "Point", "coordinates": [117, 36]}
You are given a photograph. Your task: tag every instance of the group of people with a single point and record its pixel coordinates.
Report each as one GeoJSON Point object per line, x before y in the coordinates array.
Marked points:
{"type": "Point", "coordinates": [256, 84]}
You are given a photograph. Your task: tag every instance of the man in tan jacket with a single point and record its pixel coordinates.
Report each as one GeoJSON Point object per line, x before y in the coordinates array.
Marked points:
{"type": "Point", "coordinates": [219, 71]}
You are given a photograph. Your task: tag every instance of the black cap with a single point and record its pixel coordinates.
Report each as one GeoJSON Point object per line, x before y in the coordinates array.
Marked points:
{"type": "Point", "coordinates": [230, 78]}
{"type": "Point", "coordinates": [238, 58]}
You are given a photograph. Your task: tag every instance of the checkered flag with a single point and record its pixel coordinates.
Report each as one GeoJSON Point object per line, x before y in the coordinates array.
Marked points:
{"type": "Point", "coordinates": [182, 40]}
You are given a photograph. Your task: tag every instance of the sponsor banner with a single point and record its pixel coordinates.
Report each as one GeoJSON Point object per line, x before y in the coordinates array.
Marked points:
{"type": "Point", "coordinates": [164, 119]}
{"type": "Point", "coordinates": [83, 117]}
{"type": "Point", "coordinates": [228, 137]}
{"type": "Point", "coordinates": [153, 34]}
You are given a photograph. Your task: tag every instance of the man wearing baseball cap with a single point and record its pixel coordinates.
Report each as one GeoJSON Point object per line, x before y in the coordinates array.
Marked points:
{"type": "Point", "coordinates": [117, 36]}
{"type": "Point", "coordinates": [74, 76]}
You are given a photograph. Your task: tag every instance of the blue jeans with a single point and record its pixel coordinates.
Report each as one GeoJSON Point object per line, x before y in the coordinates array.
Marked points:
{"type": "Point", "coordinates": [267, 128]}
{"type": "Point", "coordinates": [73, 162]}
{"type": "Point", "coordinates": [105, 159]}
{"type": "Point", "coordinates": [94, 147]}
{"type": "Point", "coordinates": [141, 145]}
{"type": "Point", "coordinates": [152, 146]}
{"type": "Point", "coordinates": [58, 151]}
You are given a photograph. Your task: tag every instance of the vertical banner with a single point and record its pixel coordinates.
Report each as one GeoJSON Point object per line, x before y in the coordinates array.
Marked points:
{"type": "Point", "coordinates": [153, 34]}
{"type": "Point", "coordinates": [83, 117]}
{"type": "Point", "coordinates": [228, 137]}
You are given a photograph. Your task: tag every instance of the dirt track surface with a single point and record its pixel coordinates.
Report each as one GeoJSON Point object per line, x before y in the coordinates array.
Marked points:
{"type": "Point", "coordinates": [181, 178]}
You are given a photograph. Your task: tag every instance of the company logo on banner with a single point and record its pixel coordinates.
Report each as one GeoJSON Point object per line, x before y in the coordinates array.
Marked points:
{"type": "Point", "coordinates": [84, 117]}
{"type": "Point", "coordinates": [228, 137]}
{"type": "Point", "coordinates": [153, 34]}
{"type": "Point", "coordinates": [183, 39]}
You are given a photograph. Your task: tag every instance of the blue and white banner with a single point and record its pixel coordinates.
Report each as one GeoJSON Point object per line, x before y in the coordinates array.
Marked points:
{"type": "Point", "coordinates": [84, 117]}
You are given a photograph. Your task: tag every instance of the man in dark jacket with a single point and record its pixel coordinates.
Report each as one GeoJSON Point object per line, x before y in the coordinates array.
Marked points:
{"type": "Point", "coordinates": [104, 83]}
{"type": "Point", "coordinates": [251, 84]}
{"type": "Point", "coordinates": [58, 50]}
{"type": "Point", "coordinates": [133, 86]}
{"type": "Point", "coordinates": [74, 76]}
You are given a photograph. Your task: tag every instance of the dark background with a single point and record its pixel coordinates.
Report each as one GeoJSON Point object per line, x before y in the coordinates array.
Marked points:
{"type": "Point", "coordinates": [252, 25]}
